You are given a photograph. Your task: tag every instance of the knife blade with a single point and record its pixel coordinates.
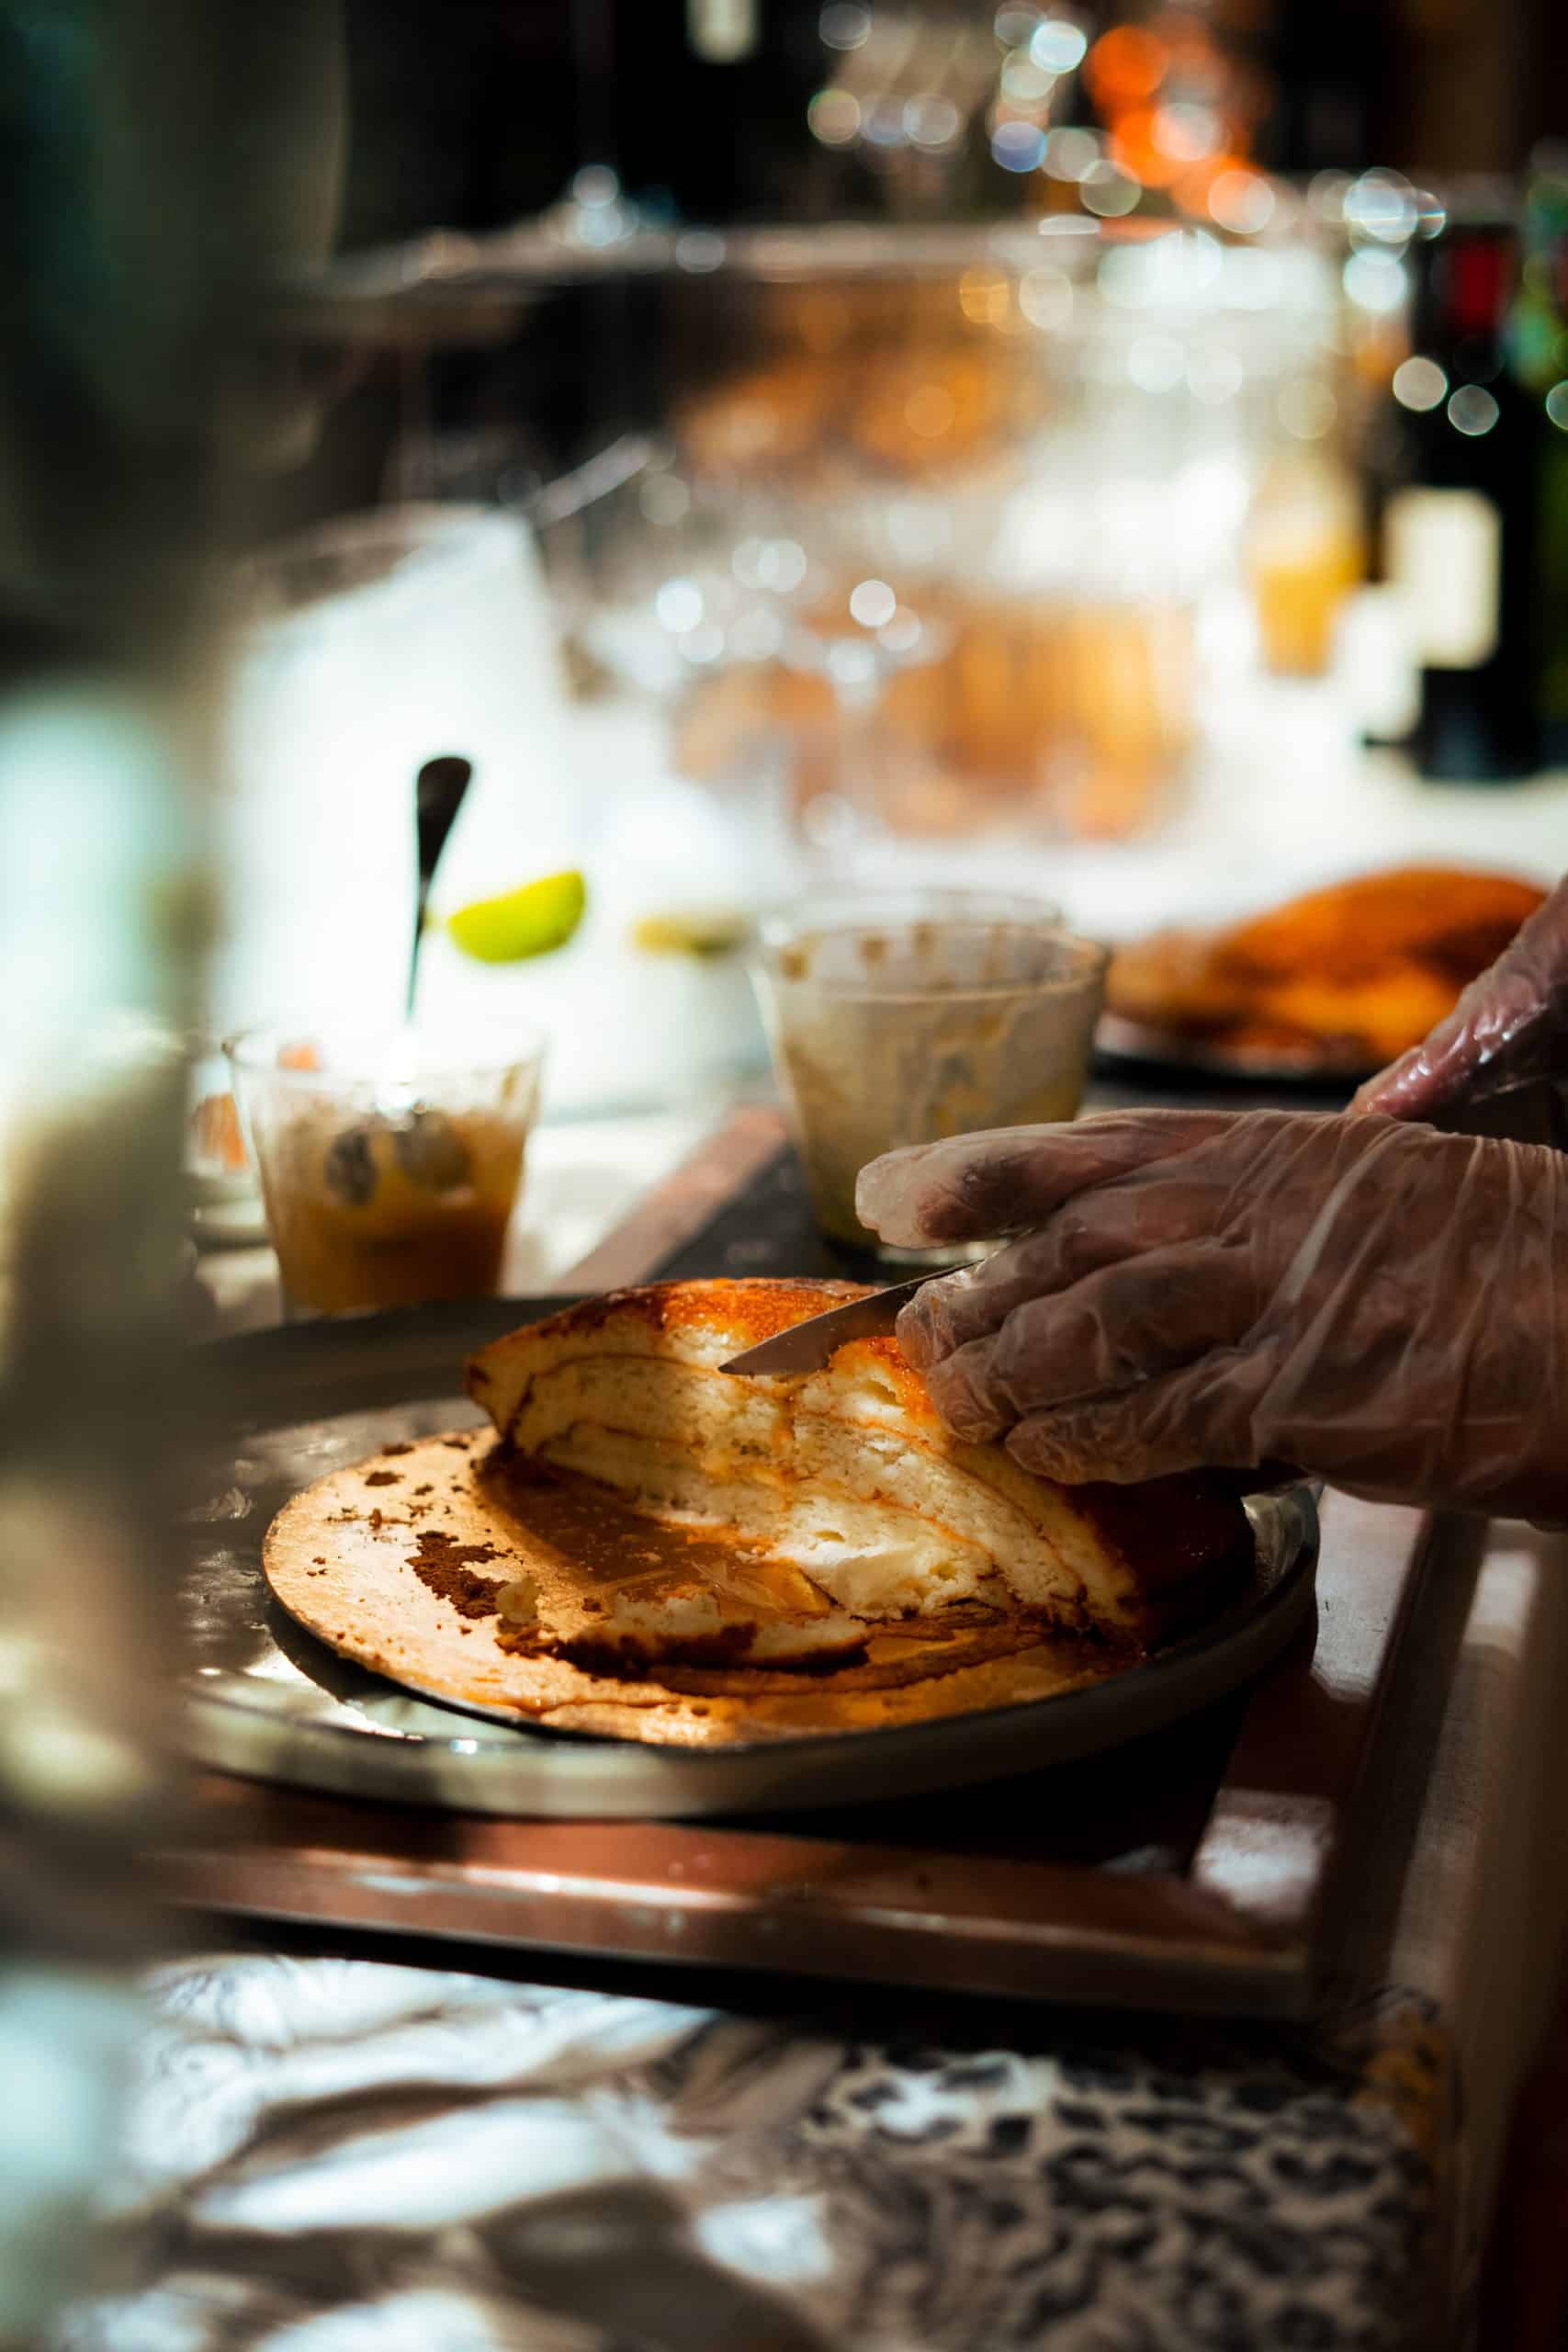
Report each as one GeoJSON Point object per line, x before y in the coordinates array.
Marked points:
{"type": "Point", "coordinates": [806, 1347]}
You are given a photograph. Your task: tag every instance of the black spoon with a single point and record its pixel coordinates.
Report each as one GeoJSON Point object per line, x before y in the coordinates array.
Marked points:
{"type": "Point", "coordinates": [438, 794]}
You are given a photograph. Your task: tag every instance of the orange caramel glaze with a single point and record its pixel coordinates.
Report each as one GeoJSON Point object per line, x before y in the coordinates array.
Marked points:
{"type": "Point", "coordinates": [748, 1312]}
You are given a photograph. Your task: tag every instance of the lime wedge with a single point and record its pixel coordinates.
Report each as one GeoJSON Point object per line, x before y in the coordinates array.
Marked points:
{"type": "Point", "coordinates": [708, 932]}
{"type": "Point", "coordinates": [533, 921]}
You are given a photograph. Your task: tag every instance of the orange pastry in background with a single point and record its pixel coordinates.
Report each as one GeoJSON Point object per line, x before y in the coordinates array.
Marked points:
{"type": "Point", "coordinates": [1351, 975]}
{"type": "Point", "coordinates": [1439, 915]}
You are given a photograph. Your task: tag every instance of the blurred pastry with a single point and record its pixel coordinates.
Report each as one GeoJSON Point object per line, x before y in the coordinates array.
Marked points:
{"type": "Point", "coordinates": [1351, 975]}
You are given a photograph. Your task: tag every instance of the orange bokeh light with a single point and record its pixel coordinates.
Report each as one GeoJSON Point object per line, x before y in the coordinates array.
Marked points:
{"type": "Point", "coordinates": [1125, 65]}
{"type": "Point", "coordinates": [1192, 185]}
{"type": "Point", "coordinates": [1134, 148]}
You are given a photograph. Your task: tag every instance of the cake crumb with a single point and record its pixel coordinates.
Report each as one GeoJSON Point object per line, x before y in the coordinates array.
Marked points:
{"type": "Point", "coordinates": [519, 1601]}
{"type": "Point", "coordinates": [441, 1563]}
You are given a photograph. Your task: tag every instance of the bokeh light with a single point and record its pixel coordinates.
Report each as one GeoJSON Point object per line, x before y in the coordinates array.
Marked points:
{"type": "Point", "coordinates": [1059, 45]}
{"type": "Point", "coordinates": [595, 185]}
{"type": "Point", "coordinates": [665, 499]}
{"type": "Point", "coordinates": [1070, 153]}
{"type": "Point", "coordinates": [699, 250]}
{"type": "Point", "coordinates": [873, 603]}
{"type": "Point", "coordinates": [985, 297]}
{"type": "Point", "coordinates": [1380, 206]}
{"type": "Point", "coordinates": [1107, 191]}
{"type": "Point", "coordinates": [779, 566]}
{"type": "Point", "coordinates": [679, 604]}
{"type": "Point", "coordinates": [1125, 65]}
{"type": "Point", "coordinates": [844, 24]}
{"type": "Point", "coordinates": [1326, 192]}
{"type": "Point", "coordinates": [1557, 406]}
{"type": "Point", "coordinates": [1018, 146]}
{"type": "Point", "coordinates": [881, 124]}
{"type": "Point", "coordinates": [1472, 411]}
{"type": "Point", "coordinates": [1242, 202]}
{"type": "Point", "coordinates": [930, 411]}
{"type": "Point", "coordinates": [1375, 280]}
{"type": "Point", "coordinates": [931, 123]}
{"type": "Point", "coordinates": [1186, 132]}
{"type": "Point", "coordinates": [1046, 298]}
{"type": "Point", "coordinates": [1135, 149]}
{"type": "Point", "coordinates": [1023, 82]}
{"type": "Point", "coordinates": [1015, 27]}
{"type": "Point", "coordinates": [1307, 409]}
{"type": "Point", "coordinates": [834, 117]}
{"type": "Point", "coordinates": [1419, 384]}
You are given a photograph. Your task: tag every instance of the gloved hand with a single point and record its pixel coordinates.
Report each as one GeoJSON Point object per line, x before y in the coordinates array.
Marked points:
{"type": "Point", "coordinates": [1509, 1029]}
{"type": "Point", "coordinates": [1378, 1303]}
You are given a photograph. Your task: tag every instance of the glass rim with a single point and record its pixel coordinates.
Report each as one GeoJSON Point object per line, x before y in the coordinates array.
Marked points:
{"type": "Point", "coordinates": [1089, 960]}
{"type": "Point", "coordinates": [244, 1051]}
{"type": "Point", "coordinates": [841, 905]}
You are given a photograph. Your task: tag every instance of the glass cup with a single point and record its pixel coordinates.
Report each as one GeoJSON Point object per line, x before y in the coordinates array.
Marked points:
{"type": "Point", "coordinates": [390, 1163]}
{"type": "Point", "coordinates": [901, 1020]}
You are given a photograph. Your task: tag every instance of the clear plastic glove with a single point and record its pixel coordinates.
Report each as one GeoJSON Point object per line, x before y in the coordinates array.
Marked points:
{"type": "Point", "coordinates": [1378, 1303]}
{"type": "Point", "coordinates": [1509, 1030]}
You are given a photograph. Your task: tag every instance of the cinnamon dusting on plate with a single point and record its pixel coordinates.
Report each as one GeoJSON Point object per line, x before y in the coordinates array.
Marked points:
{"type": "Point", "coordinates": [441, 1563]}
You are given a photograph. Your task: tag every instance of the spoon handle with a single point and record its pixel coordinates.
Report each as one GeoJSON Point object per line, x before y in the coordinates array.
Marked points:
{"type": "Point", "coordinates": [438, 794]}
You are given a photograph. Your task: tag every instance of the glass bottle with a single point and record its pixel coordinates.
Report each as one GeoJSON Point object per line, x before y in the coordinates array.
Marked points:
{"type": "Point", "coordinates": [1459, 530]}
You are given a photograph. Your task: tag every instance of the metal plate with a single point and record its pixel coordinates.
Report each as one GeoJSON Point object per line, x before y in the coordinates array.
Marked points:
{"type": "Point", "coordinates": [262, 1698]}
{"type": "Point", "coordinates": [1126, 1047]}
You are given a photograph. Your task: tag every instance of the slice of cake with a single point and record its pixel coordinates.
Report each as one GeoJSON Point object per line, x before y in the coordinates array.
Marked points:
{"type": "Point", "coordinates": [848, 1474]}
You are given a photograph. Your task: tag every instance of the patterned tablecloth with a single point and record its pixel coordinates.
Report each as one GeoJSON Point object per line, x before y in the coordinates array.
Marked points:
{"type": "Point", "coordinates": [327, 2154]}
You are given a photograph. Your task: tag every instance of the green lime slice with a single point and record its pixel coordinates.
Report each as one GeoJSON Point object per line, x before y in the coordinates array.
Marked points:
{"type": "Point", "coordinates": [533, 921]}
{"type": "Point", "coordinates": [708, 932]}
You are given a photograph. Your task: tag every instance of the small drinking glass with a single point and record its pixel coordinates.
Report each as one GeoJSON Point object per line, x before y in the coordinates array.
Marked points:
{"type": "Point", "coordinates": [390, 1163]}
{"type": "Point", "coordinates": [902, 1020]}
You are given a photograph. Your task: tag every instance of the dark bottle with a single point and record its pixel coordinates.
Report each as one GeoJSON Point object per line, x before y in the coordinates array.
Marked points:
{"type": "Point", "coordinates": [1539, 338]}
{"type": "Point", "coordinates": [1460, 528]}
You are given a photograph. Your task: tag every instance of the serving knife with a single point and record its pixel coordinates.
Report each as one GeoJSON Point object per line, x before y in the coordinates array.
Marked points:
{"type": "Point", "coordinates": [807, 1347]}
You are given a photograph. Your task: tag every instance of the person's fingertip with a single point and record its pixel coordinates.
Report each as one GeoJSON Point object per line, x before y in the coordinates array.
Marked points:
{"type": "Point", "coordinates": [886, 1191]}
{"type": "Point", "coordinates": [1407, 1084]}
{"type": "Point", "coordinates": [1374, 1093]}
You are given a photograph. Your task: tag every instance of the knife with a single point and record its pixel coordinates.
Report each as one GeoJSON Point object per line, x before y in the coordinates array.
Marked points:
{"type": "Point", "coordinates": [806, 1347]}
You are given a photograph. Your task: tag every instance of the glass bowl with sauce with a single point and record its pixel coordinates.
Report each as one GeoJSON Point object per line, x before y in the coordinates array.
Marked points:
{"type": "Point", "coordinates": [903, 1020]}
{"type": "Point", "coordinates": [390, 1163]}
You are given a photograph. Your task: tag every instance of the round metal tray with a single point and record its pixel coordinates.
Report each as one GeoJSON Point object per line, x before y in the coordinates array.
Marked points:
{"type": "Point", "coordinates": [262, 1698]}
